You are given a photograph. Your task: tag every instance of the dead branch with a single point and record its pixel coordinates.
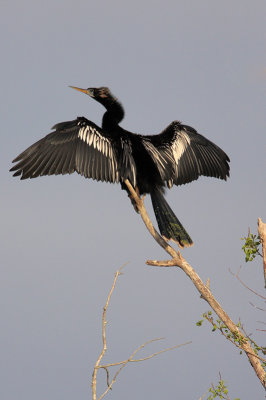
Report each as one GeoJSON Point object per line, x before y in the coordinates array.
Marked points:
{"type": "Point", "coordinates": [178, 261]}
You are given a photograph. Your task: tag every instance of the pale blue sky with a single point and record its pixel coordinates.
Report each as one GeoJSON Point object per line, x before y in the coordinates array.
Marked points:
{"type": "Point", "coordinates": [63, 238]}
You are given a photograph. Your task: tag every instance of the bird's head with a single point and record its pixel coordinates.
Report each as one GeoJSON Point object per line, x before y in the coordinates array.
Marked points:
{"type": "Point", "coordinates": [114, 113]}
{"type": "Point", "coordinates": [96, 93]}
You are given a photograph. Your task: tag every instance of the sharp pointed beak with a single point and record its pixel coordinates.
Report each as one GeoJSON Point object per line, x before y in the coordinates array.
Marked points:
{"type": "Point", "coordinates": [86, 91]}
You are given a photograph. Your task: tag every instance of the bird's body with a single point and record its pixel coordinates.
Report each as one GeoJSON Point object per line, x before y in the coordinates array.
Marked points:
{"type": "Point", "coordinates": [177, 155]}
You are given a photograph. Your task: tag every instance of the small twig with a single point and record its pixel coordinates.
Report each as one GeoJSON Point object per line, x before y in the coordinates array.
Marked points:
{"type": "Point", "coordinates": [220, 394]}
{"type": "Point", "coordinates": [243, 283]}
{"type": "Point", "coordinates": [107, 374]}
{"type": "Point", "coordinates": [258, 308]}
{"type": "Point", "coordinates": [161, 351]}
{"type": "Point", "coordinates": [254, 343]}
{"type": "Point", "coordinates": [205, 394]}
{"type": "Point", "coordinates": [145, 358]}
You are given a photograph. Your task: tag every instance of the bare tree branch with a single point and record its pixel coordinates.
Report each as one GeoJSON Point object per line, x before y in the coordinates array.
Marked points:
{"type": "Point", "coordinates": [98, 366]}
{"type": "Point", "coordinates": [95, 370]}
{"type": "Point", "coordinates": [179, 261]}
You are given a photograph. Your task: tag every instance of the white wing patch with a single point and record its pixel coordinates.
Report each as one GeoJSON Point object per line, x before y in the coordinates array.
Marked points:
{"type": "Point", "coordinates": [155, 153]}
{"type": "Point", "coordinates": [94, 139]}
{"type": "Point", "coordinates": [180, 144]}
{"type": "Point", "coordinates": [159, 159]}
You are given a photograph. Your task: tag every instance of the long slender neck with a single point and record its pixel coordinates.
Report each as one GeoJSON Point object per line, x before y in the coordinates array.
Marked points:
{"type": "Point", "coordinates": [114, 114]}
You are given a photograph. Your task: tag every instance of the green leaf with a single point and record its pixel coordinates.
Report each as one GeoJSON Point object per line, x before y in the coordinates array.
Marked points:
{"type": "Point", "coordinates": [199, 323]}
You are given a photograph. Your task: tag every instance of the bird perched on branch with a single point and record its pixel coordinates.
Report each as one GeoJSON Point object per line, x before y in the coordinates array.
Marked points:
{"type": "Point", "coordinates": [176, 156]}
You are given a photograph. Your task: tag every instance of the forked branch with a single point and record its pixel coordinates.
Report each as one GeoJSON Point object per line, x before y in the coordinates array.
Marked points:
{"type": "Point", "coordinates": [123, 363]}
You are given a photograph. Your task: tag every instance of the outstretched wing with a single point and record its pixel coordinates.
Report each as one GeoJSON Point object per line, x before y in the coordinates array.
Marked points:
{"type": "Point", "coordinates": [77, 145]}
{"type": "Point", "coordinates": [193, 155]}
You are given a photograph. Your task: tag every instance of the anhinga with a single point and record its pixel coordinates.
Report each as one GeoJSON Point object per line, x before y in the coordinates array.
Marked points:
{"type": "Point", "coordinates": [177, 155]}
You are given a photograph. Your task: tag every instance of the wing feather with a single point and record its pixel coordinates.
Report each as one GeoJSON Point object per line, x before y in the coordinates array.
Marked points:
{"type": "Point", "coordinates": [162, 158]}
{"type": "Point", "coordinates": [193, 155]}
{"type": "Point", "coordinates": [127, 166]}
{"type": "Point", "coordinates": [77, 145]}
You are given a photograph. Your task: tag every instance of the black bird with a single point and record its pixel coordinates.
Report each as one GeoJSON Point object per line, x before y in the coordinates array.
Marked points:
{"type": "Point", "coordinates": [177, 155]}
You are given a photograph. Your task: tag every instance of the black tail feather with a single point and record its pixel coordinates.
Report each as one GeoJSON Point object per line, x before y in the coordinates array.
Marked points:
{"type": "Point", "coordinates": [169, 225]}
